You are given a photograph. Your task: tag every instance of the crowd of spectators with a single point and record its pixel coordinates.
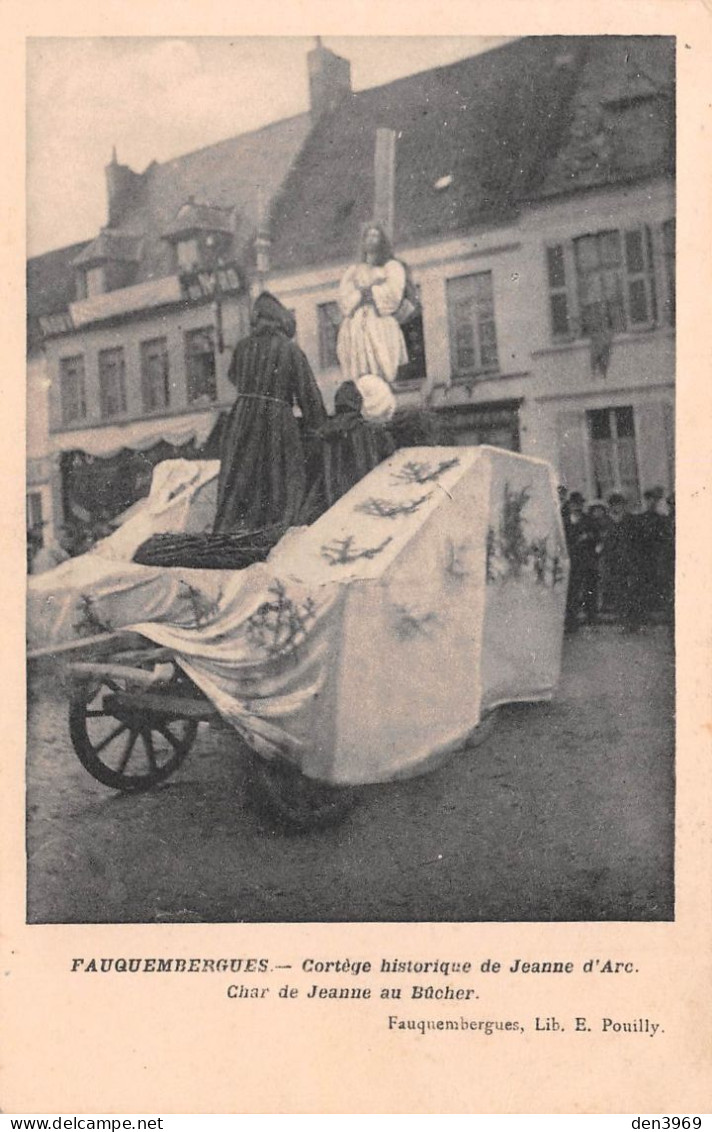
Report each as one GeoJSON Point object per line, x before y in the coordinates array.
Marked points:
{"type": "Point", "coordinates": [622, 562]}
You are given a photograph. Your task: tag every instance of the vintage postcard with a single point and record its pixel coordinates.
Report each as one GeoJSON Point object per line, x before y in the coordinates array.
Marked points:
{"type": "Point", "coordinates": [358, 635]}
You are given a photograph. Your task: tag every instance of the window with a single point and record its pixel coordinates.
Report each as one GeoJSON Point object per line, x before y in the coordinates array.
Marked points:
{"type": "Point", "coordinates": [329, 323]}
{"type": "Point", "coordinates": [34, 514]}
{"type": "Point", "coordinates": [94, 281]}
{"type": "Point", "coordinates": [200, 364]}
{"type": "Point", "coordinates": [601, 282]}
{"type": "Point", "coordinates": [414, 368]}
{"type": "Point", "coordinates": [669, 256]}
{"type": "Point", "coordinates": [154, 375]}
{"type": "Point", "coordinates": [112, 383]}
{"type": "Point", "coordinates": [558, 298]}
{"type": "Point", "coordinates": [613, 456]}
{"type": "Point", "coordinates": [473, 339]}
{"type": "Point", "coordinates": [188, 255]}
{"type": "Point", "coordinates": [72, 389]}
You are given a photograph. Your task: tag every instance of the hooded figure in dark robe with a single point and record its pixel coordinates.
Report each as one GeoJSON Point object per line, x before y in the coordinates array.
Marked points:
{"type": "Point", "coordinates": [353, 446]}
{"type": "Point", "coordinates": [265, 450]}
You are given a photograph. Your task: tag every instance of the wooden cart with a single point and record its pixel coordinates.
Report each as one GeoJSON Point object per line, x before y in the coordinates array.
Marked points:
{"type": "Point", "coordinates": [134, 716]}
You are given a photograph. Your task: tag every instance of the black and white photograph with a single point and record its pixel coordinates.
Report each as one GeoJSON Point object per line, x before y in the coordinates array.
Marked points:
{"type": "Point", "coordinates": [350, 479]}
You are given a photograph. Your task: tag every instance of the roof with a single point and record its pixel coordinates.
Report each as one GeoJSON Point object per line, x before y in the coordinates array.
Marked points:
{"type": "Point", "coordinates": [622, 117]}
{"type": "Point", "coordinates": [479, 138]}
{"type": "Point", "coordinates": [228, 175]}
{"type": "Point", "coordinates": [110, 245]}
{"type": "Point", "coordinates": [50, 288]}
{"type": "Point", "coordinates": [198, 217]}
{"type": "Point", "coordinates": [476, 140]}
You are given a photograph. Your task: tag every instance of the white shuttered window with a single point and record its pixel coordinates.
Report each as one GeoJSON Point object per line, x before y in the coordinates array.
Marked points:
{"type": "Point", "coordinates": [602, 281]}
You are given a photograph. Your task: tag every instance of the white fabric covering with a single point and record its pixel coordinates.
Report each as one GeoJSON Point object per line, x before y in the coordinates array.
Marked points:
{"type": "Point", "coordinates": [374, 640]}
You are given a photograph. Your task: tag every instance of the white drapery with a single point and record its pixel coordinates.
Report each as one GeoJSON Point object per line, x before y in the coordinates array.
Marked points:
{"type": "Point", "coordinates": [138, 435]}
{"type": "Point", "coordinates": [372, 641]}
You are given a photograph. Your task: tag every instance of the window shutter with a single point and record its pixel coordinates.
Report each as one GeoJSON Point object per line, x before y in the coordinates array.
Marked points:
{"type": "Point", "coordinates": [561, 277]}
{"type": "Point", "coordinates": [669, 431]}
{"type": "Point", "coordinates": [558, 298]}
{"type": "Point", "coordinates": [200, 364]}
{"type": "Point", "coordinates": [655, 455]}
{"type": "Point", "coordinates": [460, 309]}
{"type": "Point", "coordinates": [72, 389]}
{"type": "Point", "coordinates": [642, 306]}
{"type": "Point", "coordinates": [484, 297]}
{"type": "Point", "coordinates": [668, 250]}
{"type": "Point", "coordinates": [572, 448]}
{"type": "Point", "coordinates": [34, 510]}
{"type": "Point", "coordinates": [112, 384]}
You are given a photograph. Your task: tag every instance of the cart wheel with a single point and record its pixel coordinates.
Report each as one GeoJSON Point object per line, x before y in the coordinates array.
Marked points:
{"type": "Point", "coordinates": [299, 803]}
{"type": "Point", "coordinates": [130, 751]}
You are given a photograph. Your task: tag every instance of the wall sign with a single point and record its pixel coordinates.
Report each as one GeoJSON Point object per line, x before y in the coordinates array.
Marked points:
{"type": "Point", "coordinates": [211, 284]}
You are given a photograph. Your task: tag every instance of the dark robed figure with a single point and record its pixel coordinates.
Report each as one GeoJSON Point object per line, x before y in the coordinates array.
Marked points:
{"type": "Point", "coordinates": [264, 454]}
{"type": "Point", "coordinates": [352, 445]}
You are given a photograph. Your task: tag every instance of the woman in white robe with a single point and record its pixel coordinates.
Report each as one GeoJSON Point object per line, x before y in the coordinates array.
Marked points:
{"type": "Point", "coordinates": [370, 339]}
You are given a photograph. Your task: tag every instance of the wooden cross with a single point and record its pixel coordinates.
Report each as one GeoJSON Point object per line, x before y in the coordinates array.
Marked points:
{"type": "Point", "coordinates": [384, 197]}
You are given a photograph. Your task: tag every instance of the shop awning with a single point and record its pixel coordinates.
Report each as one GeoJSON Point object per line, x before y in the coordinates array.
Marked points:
{"type": "Point", "coordinates": [138, 435]}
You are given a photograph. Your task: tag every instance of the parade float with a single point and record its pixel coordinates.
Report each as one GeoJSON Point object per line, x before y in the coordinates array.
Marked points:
{"type": "Point", "coordinates": [364, 647]}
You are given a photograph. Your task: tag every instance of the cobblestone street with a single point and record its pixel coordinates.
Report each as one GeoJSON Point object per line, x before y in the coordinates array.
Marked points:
{"type": "Point", "coordinates": [564, 813]}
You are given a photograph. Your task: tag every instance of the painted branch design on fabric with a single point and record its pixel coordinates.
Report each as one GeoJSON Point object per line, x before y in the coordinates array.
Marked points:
{"type": "Point", "coordinates": [182, 487]}
{"type": "Point", "coordinates": [539, 559]}
{"type": "Point", "coordinates": [411, 624]}
{"type": "Point", "coordinates": [278, 626]}
{"type": "Point", "coordinates": [455, 560]}
{"type": "Point", "coordinates": [557, 571]}
{"type": "Point", "coordinates": [491, 552]}
{"type": "Point", "coordinates": [89, 623]}
{"type": "Point", "coordinates": [203, 608]}
{"type": "Point", "coordinates": [512, 539]}
{"type": "Point", "coordinates": [509, 553]}
{"type": "Point", "coordinates": [416, 472]}
{"type": "Point", "coordinates": [340, 552]}
{"type": "Point", "coordinates": [390, 508]}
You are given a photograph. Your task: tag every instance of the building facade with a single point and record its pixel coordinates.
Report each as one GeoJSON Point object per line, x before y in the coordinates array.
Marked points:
{"type": "Point", "coordinates": [135, 335]}
{"type": "Point", "coordinates": [50, 288]}
{"type": "Point", "coordinates": [547, 283]}
{"type": "Point", "coordinates": [531, 192]}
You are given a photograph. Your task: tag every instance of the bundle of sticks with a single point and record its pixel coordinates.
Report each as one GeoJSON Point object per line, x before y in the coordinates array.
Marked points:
{"type": "Point", "coordinates": [234, 551]}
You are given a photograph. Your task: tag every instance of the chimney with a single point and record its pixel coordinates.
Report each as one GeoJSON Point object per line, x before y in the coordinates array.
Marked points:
{"type": "Point", "coordinates": [121, 186]}
{"type": "Point", "coordinates": [329, 79]}
{"type": "Point", "coordinates": [384, 177]}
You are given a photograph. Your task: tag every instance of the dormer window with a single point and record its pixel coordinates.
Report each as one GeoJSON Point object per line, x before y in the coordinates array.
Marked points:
{"type": "Point", "coordinates": [201, 235]}
{"type": "Point", "coordinates": [109, 263]}
{"type": "Point", "coordinates": [188, 254]}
